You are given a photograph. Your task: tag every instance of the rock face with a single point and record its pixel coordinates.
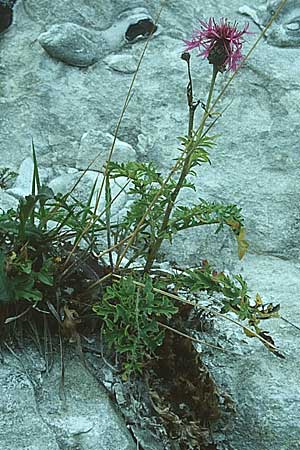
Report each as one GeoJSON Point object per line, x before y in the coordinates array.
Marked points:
{"type": "Point", "coordinates": [96, 144]}
{"type": "Point", "coordinates": [65, 69]}
{"type": "Point", "coordinates": [37, 415]}
{"type": "Point", "coordinates": [262, 385]}
{"type": "Point", "coordinates": [286, 29]}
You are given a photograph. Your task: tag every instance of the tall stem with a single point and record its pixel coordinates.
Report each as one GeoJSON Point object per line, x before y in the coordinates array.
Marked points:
{"type": "Point", "coordinates": [211, 88]}
{"type": "Point", "coordinates": [190, 98]}
{"type": "Point", "coordinates": [154, 248]}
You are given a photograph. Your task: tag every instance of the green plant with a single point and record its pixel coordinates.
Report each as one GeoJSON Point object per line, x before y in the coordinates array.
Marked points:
{"type": "Point", "coordinates": [33, 239]}
{"type": "Point", "coordinates": [7, 176]}
{"type": "Point", "coordinates": [41, 259]}
{"type": "Point", "coordinates": [155, 215]}
{"type": "Point", "coordinates": [130, 313]}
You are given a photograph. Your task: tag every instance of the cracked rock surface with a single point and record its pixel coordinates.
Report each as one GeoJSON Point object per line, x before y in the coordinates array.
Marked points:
{"type": "Point", "coordinates": [37, 415]}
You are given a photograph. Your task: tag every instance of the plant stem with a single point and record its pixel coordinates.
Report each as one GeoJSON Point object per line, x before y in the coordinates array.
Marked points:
{"type": "Point", "coordinates": [108, 216]}
{"type": "Point", "coordinates": [211, 88]}
{"type": "Point", "coordinates": [189, 92]}
{"type": "Point", "coordinates": [154, 248]}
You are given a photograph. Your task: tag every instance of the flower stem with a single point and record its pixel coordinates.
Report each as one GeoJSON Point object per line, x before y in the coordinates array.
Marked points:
{"type": "Point", "coordinates": [211, 89]}
{"type": "Point", "coordinates": [190, 99]}
{"type": "Point", "coordinates": [194, 141]}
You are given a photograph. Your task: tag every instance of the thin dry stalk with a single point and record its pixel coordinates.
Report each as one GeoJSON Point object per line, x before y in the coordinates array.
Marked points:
{"type": "Point", "coordinates": [198, 341]}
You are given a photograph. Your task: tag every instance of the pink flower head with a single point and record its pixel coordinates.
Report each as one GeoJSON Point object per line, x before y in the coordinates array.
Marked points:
{"type": "Point", "coordinates": [222, 43]}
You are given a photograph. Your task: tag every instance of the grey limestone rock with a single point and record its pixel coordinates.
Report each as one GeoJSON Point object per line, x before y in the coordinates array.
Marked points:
{"type": "Point", "coordinates": [121, 63]}
{"type": "Point", "coordinates": [72, 44]}
{"type": "Point", "coordinates": [23, 183]}
{"type": "Point", "coordinates": [286, 29]}
{"type": "Point", "coordinates": [37, 415]}
{"type": "Point", "coordinates": [65, 181]}
{"type": "Point", "coordinates": [7, 201]}
{"type": "Point", "coordinates": [97, 144]}
{"type": "Point", "coordinates": [247, 367]}
{"type": "Point", "coordinates": [82, 47]}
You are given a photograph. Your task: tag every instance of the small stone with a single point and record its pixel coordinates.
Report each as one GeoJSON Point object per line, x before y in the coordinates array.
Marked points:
{"type": "Point", "coordinates": [121, 63]}
{"type": "Point", "coordinates": [97, 143]}
{"type": "Point", "coordinates": [71, 44]}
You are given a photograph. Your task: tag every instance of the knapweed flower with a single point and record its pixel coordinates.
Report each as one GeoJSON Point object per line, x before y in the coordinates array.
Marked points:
{"type": "Point", "coordinates": [222, 43]}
